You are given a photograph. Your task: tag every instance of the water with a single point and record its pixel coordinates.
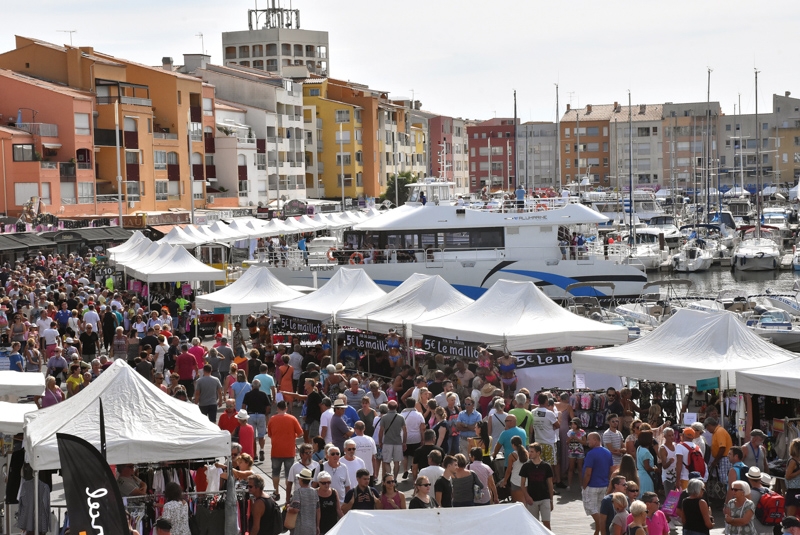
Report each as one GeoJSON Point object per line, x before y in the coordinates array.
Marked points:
{"type": "Point", "coordinates": [710, 283]}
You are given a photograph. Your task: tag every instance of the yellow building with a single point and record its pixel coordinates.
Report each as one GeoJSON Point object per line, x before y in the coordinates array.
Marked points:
{"type": "Point", "coordinates": [158, 111]}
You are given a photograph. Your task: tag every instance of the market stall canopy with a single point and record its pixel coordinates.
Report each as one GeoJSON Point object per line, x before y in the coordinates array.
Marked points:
{"type": "Point", "coordinates": [143, 424]}
{"type": "Point", "coordinates": [225, 232]}
{"type": "Point", "coordinates": [246, 229]}
{"type": "Point", "coordinates": [253, 292]}
{"type": "Point", "coordinates": [347, 288]}
{"type": "Point", "coordinates": [736, 191]}
{"type": "Point", "coordinates": [144, 248]}
{"type": "Point", "coordinates": [177, 236]}
{"type": "Point", "coordinates": [419, 298]}
{"type": "Point", "coordinates": [19, 385]}
{"type": "Point", "coordinates": [201, 234]}
{"type": "Point", "coordinates": [135, 238]}
{"type": "Point", "coordinates": [690, 345]}
{"type": "Point", "coordinates": [312, 223]}
{"type": "Point", "coordinates": [513, 517]}
{"type": "Point", "coordinates": [12, 416]}
{"type": "Point", "coordinates": [518, 316]}
{"type": "Point", "coordinates": [153, 258]}
{"type": "Point", "coordinates": [779, 380]}
{"type": "Point", "coordinates": [180, 266]}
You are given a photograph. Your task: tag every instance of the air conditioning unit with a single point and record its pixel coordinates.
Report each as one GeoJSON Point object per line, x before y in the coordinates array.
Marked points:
{"type": "Point", "coordinates": [209, 199]}
{"type": "Point", "coordinates": [130, 204]}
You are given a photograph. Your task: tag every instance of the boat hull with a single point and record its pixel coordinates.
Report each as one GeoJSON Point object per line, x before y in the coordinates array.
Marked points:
{"type": "Point", "coordinates": [742, 262]}
{"type": "Point", "coordinates": [474, 277]}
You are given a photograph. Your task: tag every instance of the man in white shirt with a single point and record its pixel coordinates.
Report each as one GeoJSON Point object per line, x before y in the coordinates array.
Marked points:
{"type": "Point", "coordinates": [351, 461]}
{"type": "Point", "coordinates": [325, 421]}
{"type": "Point", "coordinates": [340, 478]}
{"type": "Point", "coordinates": [441, 399]}
{"type": "Point", "coordinates": [91, 317]}
{"type": "Point", "coordinates": [376, 395]}
{"type": "Point", "coordinates": [415, 425]}
{"type": "Point", "coordinates": [296, 362]}
{"type": "Point", "coordinates": [50, 337]}
{"type": "Point", "coordinates": [306, 451]}
{"type": "Point", "coordinates": [433, 471]}
{"type": "Point", "coordinates": [545, 425]}
{"type": "Point", "coordinates": [365, 448]}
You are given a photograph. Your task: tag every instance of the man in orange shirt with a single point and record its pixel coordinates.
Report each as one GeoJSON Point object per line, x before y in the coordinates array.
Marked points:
{"type": "Point", "coordinates": [283, 430]}
{"type": "Point", "coordinates": [227, 420]}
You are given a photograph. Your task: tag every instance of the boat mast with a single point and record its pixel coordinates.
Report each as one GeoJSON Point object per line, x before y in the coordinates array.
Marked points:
{"type": "Point", "coordinates": [631, 228]}
{"type": "Point", "coordinates": [708, 148]}
{"type": "Point", "coordinates": [558, 141]}
{"type": "Point", "coordinates": [760, 194]}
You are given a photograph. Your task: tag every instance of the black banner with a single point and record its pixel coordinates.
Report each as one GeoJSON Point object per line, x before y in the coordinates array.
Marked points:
{"type": "Point", "coordinates": [450, 348]}
{"type": "Point", "coordinates": [300, 325]}
{"type": "Point", "coordinates": [373, 341]}
{"type": "Point", "coordinates": [536, 360]}
{"type": "Point", "coordinates": [94, 502]}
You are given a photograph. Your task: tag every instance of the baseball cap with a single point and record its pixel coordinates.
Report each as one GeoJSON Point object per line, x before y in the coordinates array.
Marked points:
{"type": "Point", "coordinates": [790, 522]}
{"type": "Point", "coordinates": [688, 431]}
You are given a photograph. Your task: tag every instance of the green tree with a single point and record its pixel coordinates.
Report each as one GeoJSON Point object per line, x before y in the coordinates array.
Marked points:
{"type": "Point", "coordinates": [402, 179]}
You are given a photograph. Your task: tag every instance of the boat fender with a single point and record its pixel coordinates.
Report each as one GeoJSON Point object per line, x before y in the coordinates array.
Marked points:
{"type": "Point", "coordinates": [331, 257]}
{"type": "Point", "coordinates": [356, 258]}
{"type": "Point", "coordinates": [774, 264]}
{"type": "Point", "coordinates": [761, 254]}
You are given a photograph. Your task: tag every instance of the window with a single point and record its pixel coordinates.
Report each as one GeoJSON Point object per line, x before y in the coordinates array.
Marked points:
{"type": "Point", "coordinates": [592, 147]}
{"type": "Point", "coordinates": [605, 162]}
{"type": "Point", "coordinates": [23, 191]}
{"type": "Point", "coordinates": [567, 148]}
{"type": "Point", "coordinates": [172, 158]}
{"type": "Point", "coordinates": [130, 124]}
{"type": "Point", "coordinates": [643, 131]}
{"type": "Point", "coordinates": [472, 166]}
{"type": "Point", "coordinates": [595, 162]}
{"type": "Point", "coordinates": [358, 116]}
{"type": "Point", "coordinates": [230, 52]}
{"type": "Point", "coordinates": [727, 128]}
{"type": "Point", "coordinates": [593, 131]}
{"type": "Point", "coordinates": [46, 192]}
{"type": "Point", "coordinates": [342, 116]}
{"type": "Point", "coordinates": [272, 49]}
{"type": "Point", "coordinates": [258, 51]}
{"type": "Point", "coordinates": [133, 156]}
{"type": "Point", "coordinates": [82, 124]}
{"type": "Point", "coordinates": [261, 161]}
{"type": "Point", "coordinates": [765, 126]}
{"type": "Point", "coordinates": [243, 188]}
{"type": "Point", "coordinates": [655, 130]}
{"type": "Point", "coordinates": [346, 156]}
{"type": "Point", "coordinates": [160, 159]}
{"type": "Point", "coordinates": [244, 51]}
{"type": "Point", "coordinates": [605, 131]}
{"type": "Point", "coordinates": [359, 157]}
{"type": "Point", "coordinates": [24, 153]}
{"type": "Point", "coordinates": [162, 190]}
{"type": "Point", "coordinates": [272, 65]}
{"type": "Point", "coordinates": [85, 192]}
{"type": "Point", "coordinates": [566, 132]}
{"type": "Point", "coordinates": [313, 92]}
{"type": "Point", "coordinates": [497, 151]}
{"type": "Point", "coordinates": [208, 106]}
{"type": "Point", "coordinates": [722, 159]}
{"type": "Point", "coordinates": [605, 147]}
{"type": "Point", "coordinates": [484, 166]}
{"type": "Point", "coordinates": [344, 137]}
{"type": "Point", "coordinates": [358, 135]}
{"type": "Point", "coordinates": [132, 190]}
{"type": "Point", "coordinates": [567, 164]}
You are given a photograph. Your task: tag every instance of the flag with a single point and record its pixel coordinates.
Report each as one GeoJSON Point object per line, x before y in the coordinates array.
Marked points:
{"type": "Point", "coordinates": [94, 502]}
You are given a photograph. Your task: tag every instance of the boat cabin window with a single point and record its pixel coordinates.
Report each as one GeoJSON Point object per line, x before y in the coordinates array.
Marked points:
{"type": "Point", "coordinates": [481, 238]}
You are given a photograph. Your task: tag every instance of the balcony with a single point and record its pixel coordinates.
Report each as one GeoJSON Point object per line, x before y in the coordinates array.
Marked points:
{"type": "Point", "coordinates": [66, 170]}
{"type": "Point", "coordinates": [104, 137]}
{"type": "Point", "coordinates": [49, 165]}
{"type": "Point", "coordinates": [39, 129]}
{"type": "Point", "coordinates": [135, 101]}
{"type": "Point", "coordinates": [249, 141]}
{"type": "Point", "coordinates": [109, 198]}
{"type": "Point", "coordinates": [85, 166]}
{"type": "Point", "coordinates": [320, 167]}
{"type": "Point", "coordinates": [319, 145]}
{"type": "Point", "coordinates": [196, 135]}
{"type": "Point", "coordinates": [164, 135]}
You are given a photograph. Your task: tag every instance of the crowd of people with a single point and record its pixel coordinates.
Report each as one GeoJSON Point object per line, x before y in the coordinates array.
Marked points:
{"type": "Point", "coordinates": [344, 431]}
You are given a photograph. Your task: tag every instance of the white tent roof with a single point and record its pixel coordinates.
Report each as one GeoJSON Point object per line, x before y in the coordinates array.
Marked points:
{"type": "Point", "coordinates": [179, 266]}
{"type": "Point", "coordinates": [346, 289]}
{"type": "Point", "coordinates": [201, 234]}
{"type": "Point", "coordinates": [419, 298]}
{"type": "Point", "coordinates": [737, 191]}
{"type": "Point", "coordinates": [225, 231]}
{"type": "Point", "coordinates": [276, 227]}
{"type": "Point", "coordinates": [776, 380]}
{"type": "Point", "coordinates": [312, 222]}
{"type": "Point", "coordinates": [513, 518]}
{"type": "Point", "coordinates": [793, 192]}
{"type": "Point", "coordinates": [252, 292]}
{"type": "Point", "coordinates": [135, 238]}
{"type": "Point", "coordinates": [153, 253]}
{"type": "Point", "coordinates": [143, 424]}
{"type": "Point", "coordinates": [16, 384]}
{"type": "Point", "coordinates": [12, 416]}
{"type": "Point", "coordinates": [139, 250]}
{"type": "Point", "coordinates": [690, 345]}
{"type": "Point", "coordinates": [245, 228]}
{"type": "Point", "coordinates": [177, 236]}
{"type": "Point", "coordinates": [334, 221]}
{"type": "Point", "coordinates": [518, 315]}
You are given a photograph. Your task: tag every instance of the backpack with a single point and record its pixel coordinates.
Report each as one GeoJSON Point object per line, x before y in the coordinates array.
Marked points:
{"type": "Point", "coordinates": [770, 508]}
{"type": "Point", "coordinates": [695, 462]}
{"type": "Point", "coordinates": [741, 471]}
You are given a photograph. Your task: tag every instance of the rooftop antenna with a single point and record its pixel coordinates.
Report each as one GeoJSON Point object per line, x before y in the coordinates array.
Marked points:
{"type": "Point", "coordinates": [570, 93]}
{"type": "Point", "coordinates": [70, 32]}
{"type": "Point", "coordinates": [202, 42]}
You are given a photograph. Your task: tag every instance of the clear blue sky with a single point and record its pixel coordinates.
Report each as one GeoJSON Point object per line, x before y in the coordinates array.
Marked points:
{"type": "Point", "coordinates": [464, 58]}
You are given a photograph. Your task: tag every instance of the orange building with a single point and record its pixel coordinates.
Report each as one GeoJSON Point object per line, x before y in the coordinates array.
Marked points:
{"type": "Point", "coordinates": [584, 146]}
{"type": "Point", "coordinates": [161, 119]}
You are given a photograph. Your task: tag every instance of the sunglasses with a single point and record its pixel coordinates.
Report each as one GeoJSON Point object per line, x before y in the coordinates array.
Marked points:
{"type": "Point", "coordinates": [334, 453]}
{"type": "Point", "coordinates": [324, 482]}
{"type": "Point", "coordinates": [424, 485]}
{"type": "Point", "coordinates": [389, 481]}
{"type": "Point", "coordinates": [632, 490]}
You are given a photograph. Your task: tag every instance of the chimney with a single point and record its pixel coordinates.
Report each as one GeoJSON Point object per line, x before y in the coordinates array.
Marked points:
{"type": "Point", "coordinates": [166, 63]}
{"type": "Point", "coordinates": [787, 94]}
{"type": "Point", "coordinates": [588, 109]}
{"type": "Point", "coordinates": [568, 107]}
{"type": "Point", "coordinates": [616, 106]}
{"type": "Point", "coordinates": [642, 108]}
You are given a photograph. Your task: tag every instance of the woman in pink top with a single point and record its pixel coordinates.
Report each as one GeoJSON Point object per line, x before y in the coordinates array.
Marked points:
{"type": "Point", "coordinates": [657, 523]}
{"type": "Point", "coordinates": [198, 352]}
{"type": "Point", "coordinates": [52, 394]}
{"type": "Point", "coordinates": [390, 497]}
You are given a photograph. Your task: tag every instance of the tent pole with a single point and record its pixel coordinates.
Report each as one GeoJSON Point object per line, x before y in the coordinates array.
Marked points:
{"type": "Point", "coordinates": [36, 501]}
{"type": "Point", "coordinates": [5, 504]}
{"type": "Point", "coordinates": [722, 401]}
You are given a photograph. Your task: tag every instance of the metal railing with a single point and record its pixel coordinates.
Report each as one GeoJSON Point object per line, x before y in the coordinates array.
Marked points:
{"type": "Point", "coordinates": [49, 165]}
{"type": "Point", "coordinates": [85, 165]}
{"type": "Point", "coordinates": [86, 199]}
{"type": "Point", "coordinates": [135, 101]}
{"type": "Point", "coordinates": [246, 140]}
{"type": "Point", "coordinates": [39, 129]}
{"type": "Point", "coordinates": [68, 200]}
{"type": "Point", "coordinates": [109, 198]}
{"type": "Point", "coordinates": [164, 135]}
{"type": "Point", "coordinates": [196, 136]}
{"type": "Point", "coordinates": [67, 170]}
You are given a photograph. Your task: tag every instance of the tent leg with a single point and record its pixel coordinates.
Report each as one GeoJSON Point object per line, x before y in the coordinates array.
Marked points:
{"type": "Point", "coordinates": [5, 504]}
{"type": "Point", "coordinates": [36, 502]}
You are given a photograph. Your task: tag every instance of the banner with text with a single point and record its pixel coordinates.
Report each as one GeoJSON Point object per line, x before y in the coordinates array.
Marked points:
{"type": "Point", "coordinates": [535, 360]}
{"type": "Point", "coordinates": [373, 341]}
{"type": "Point", "coordinates": [300, 325]}
{"type": "Point", "coordinates": [450, 348]}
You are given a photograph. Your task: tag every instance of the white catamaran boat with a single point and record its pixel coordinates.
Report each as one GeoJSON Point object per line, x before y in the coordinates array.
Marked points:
{"type": "Point", "coordinates": [471, 249]}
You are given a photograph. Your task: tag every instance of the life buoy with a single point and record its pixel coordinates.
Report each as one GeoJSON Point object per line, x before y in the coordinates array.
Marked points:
{"type": "Point", "coordinates": [356, 258]}
{"type": "Point", "coordinates": [541, 207]}
{"type": "Point", "coordinates": [331, 257]}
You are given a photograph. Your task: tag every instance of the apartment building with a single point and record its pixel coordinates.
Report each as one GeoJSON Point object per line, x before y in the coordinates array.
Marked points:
{"type": "Point", "coordinates": [351, 130]}
{"type": "Point", "coordinates": [638, 128]}
{"type": "Point", "coordinates": [448, 149]}
{"type": "Point", "coordinates": [275, 43]}
{"type": "Point", "coordinates": [687, 127]}
{"type": "Point", "coordinates": [492, 158]}
{"type": "Point", "coordinates": [537, 150]}
{"type": "Point", "coordinates": [411, 143]}
{"type": "Point", "coordinates": [159, 114]}
{"type": "Point", "coordinates": [259, 156]}
{"type": "Point", "coordinates": [787, 136]}
{"type": "Point", "coordinates": [47, 146]}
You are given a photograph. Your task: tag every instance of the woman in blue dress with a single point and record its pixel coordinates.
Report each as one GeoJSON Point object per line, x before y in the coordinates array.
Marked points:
{"type": "Point", "coordinates": [645, 463]}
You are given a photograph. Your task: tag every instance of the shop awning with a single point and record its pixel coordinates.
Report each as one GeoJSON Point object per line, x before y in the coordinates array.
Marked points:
{"type": "Point", "coordinates": [9, 244]}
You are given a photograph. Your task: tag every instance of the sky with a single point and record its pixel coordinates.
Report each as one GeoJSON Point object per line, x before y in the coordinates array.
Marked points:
{"type": "Point", "coordinates": [465, 58]}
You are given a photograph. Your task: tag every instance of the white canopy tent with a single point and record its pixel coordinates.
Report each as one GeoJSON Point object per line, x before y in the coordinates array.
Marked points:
{"type": "Point", "coordinates": [347, 288]}
{"type": "Point", "coordinates": [15, 385]}
{"type": "Point", "coordinates": [736, 191]}
{"type": "Point", "coordinates": [179, 266]}
{"type": "Point", "coordinates": [418, 298]}
{"type": "Point", "coordinates": [135, 238]}
{"type": "Point", "coordinates": [779, 380]}
{"type": "Point", "coordinates": [12, 416]}
{"type": "Point", "coordinates": [143, 424]}
{"type": "Point", "coordinates": [201, 234]}
{"type": "Point", "coordinates": [513, 517]}
{"type": "Point", "coordinates": [253, 292]}
{"type": "Point", "coordinates": [177, 236]}
{"type": "Point", "coordinates": [144, 248]}
{"type": "Point", "coordinates": [518, 316]}
{"type": "Point", "coordinates": [690, 345]}
{"type": "Point", "coordinates": [153, 253]}
{"type": "Point", "coordinates": [313, 223]}
{"type": "Point", "coordinates": [793, 192]}
{"type": "Point", "coordinates": [225, 232]}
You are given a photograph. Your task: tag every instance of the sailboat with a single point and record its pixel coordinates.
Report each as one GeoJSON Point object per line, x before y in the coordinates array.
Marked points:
{"type": "Point", "coordinates": [759, 249]}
